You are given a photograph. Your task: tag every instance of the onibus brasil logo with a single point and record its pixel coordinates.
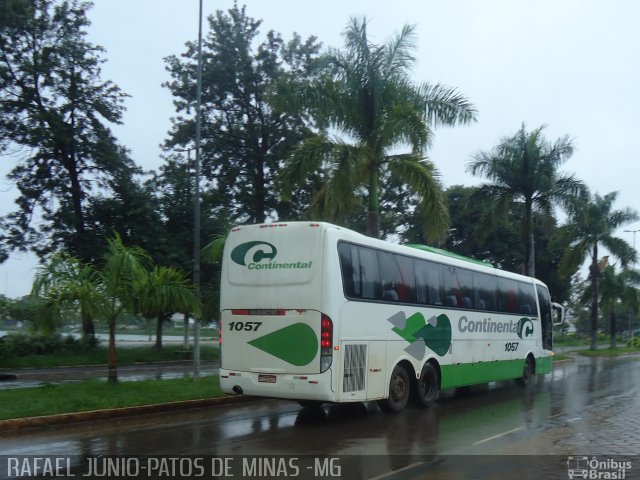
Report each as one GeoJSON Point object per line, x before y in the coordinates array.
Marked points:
{"type": "Point", "coordinates": [260, 256]}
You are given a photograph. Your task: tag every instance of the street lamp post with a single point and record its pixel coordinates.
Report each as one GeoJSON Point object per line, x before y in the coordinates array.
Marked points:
{"type": "Point", "coordinates": [186, 316]}
{"type": "Point", "coordinates": [635, 257]}
{"type": "Point", "coordinates": [196, 203]}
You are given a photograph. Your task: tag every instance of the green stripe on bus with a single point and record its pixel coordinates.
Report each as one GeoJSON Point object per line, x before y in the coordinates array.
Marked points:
{"type": "Point", "coordinates": [447, 253]}
{"type": "Point", "coordinates": [483, 372]}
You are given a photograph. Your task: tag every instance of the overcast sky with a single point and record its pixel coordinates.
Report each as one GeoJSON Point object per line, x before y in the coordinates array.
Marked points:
{"type": "Point", "coordinates": [572, 65]}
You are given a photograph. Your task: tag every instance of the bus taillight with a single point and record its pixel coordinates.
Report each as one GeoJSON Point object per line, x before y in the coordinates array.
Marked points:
{"type": "Point", "coordinates": [326, 342]}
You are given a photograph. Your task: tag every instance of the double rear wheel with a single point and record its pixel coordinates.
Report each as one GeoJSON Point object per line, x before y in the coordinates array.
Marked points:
{"type": "Point", "coordinates": [424, 391]}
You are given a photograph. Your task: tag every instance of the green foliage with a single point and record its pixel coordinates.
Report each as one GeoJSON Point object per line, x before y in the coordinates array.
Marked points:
{"type": "Point", "coordinates": [99, 356]}
{"type": "Point", "coordinates": [22, 345]}
{"type": "Point", "coordinates": [244, 138]}
{"type": "Point", "coordinates": [54, 117]}
{"type": "Point", "coordinates": [523, 170]}
{"type": "Point", "coordinates": [366, 94]}
{"type": "Point", "coordinates": [592, 224]}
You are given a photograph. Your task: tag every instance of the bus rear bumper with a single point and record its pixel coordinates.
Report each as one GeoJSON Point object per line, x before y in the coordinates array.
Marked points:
{"type": "Point", "coordinates": [279, 385]}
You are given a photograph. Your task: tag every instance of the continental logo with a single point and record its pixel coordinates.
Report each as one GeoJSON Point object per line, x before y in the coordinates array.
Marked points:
{"type": "Point", "coordinates": [523, 327]}
{"type": "Point", "coordinates": [261, 256]}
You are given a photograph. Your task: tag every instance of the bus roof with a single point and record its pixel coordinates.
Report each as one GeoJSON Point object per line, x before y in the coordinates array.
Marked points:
{"type": "Point", "coordinates": [447, 253]}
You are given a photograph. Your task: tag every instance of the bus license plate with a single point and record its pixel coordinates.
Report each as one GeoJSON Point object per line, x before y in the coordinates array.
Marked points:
{"type": "Point", "coordinates": [267, 378]}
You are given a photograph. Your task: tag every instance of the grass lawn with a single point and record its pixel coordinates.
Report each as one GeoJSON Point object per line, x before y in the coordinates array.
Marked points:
{"type": "Point", "coordinates": [559, 356]}
{"type": "Point", "coordinates": [607, 352]}
{"type": "Point", "coordinates": [97, 394]}
{"type": "Point", "coordinates": [98, 356]}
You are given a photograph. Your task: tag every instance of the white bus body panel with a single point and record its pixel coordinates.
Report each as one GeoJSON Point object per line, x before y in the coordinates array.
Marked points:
{"type": "Point", "coordinates": [279, 281]}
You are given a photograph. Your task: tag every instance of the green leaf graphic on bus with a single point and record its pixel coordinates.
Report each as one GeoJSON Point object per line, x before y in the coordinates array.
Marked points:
{"type": "Point", "coordinates": [296, 344]}
{"type": "Point", "coordinates": [256, 251]}
{"type": "Point", "coordinates": [434, 334]}
{"type": "Point", "coordinates": [525, 328]}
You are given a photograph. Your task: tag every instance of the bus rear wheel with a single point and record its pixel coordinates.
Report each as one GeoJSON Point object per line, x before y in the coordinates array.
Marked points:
{"type": "Point", "coordinates": [428, 386]}
{"type": "Point", "coordinates": [312, 404]}
{"type": "Point", "coordinates": [527, 373]}
{"type": "Point", "coordinates": [399, 390]}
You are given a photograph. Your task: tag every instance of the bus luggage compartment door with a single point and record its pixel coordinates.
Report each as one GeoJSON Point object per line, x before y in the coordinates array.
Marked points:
{"type": "Point", "coordinates": [271, 341]}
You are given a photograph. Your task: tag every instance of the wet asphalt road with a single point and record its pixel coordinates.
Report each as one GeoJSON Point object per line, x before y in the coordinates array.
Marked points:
{"type": "Point", "coordinates": [587, 407]}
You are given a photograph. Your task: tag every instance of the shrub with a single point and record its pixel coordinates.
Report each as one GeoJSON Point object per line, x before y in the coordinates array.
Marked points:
{"type": "Point", "coordinates": [21, 345]}
{"type": "Point", "coordinates": [636, 342]}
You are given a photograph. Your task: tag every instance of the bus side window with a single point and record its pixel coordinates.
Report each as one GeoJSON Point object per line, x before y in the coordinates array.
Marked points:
{"type": "Point", "coordinates": [452, 292]}
{"type": "Point", "coordinates": [527, 299]}
{"type": "Point", "coordinates": [407, 286]}
{"type": "Point", "coordinates": [429, 283]}
{"type": "Point", "coordinates": [369, 273]}
{"type": "Point", "coordinates": [465, 280]}
{"type": "Point", "coordinates": [397, 278]}
{"type": "Point", "coordinates": [485, 287]}
{"type": "Point", "coordinates": [508, 296]}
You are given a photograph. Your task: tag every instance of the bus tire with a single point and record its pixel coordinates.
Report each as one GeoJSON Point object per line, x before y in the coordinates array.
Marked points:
{"type": "Point", "coordinates": [527, 372]}
{"type": "Point", "coordinates": [427, 387]}
{"type": "Point", "coordinates": [310, 403]}
{"type": "Point", "coordinates": [399, 390]}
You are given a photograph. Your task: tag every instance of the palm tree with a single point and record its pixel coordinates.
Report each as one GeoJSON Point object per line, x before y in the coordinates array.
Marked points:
{"type": "Point", "coordinates": [618, 288]}
{"type": "Point", "coordinates": [65, 281]}
{"type": "Point", "coordinates": [524, 169]}
{"type": "Point", "coordinates": [592, 223]}
{"type": "Point", "coordinates": [161, 291]}
{"type": "Point", "coordinates": [119, 282]}
{"type": "Point", "coordinates": [365, 92]}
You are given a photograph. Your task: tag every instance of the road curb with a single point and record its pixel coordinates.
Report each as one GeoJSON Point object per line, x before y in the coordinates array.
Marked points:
{"type": "Point", "coordinates": [65, 418]}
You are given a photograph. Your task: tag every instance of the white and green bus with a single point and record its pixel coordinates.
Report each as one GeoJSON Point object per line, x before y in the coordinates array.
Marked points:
{"type": "Point", "coordinates": [318, 313]}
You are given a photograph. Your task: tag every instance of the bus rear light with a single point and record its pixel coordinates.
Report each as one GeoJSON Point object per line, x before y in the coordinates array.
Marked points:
{"type": "Point", "coordinates": [259, 311]}
{"type": "Point", "coordinates": [326, 342]}
{"type": "Point", "coordinates": [272, 225]}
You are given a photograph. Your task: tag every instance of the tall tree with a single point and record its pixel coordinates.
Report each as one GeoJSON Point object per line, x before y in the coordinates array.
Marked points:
{"type": "Point", "coordinates": [592, 223]}
{"type": "Point", "coordinates": [54, 117]}
{"type": "Point", "coordinates": [244, 138]}
{"type": "Point", "coordinates": [524, 168]}
{"type": "Point", "coordinates": [618, 289]}
{"type": "Point", "coordinates": [366, 93]}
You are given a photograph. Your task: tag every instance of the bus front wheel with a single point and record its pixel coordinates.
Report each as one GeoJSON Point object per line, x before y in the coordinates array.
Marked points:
{"type": "Point", "coordinates": [399, 389]}
{"type": "Point", "coordinates": [427, 386]}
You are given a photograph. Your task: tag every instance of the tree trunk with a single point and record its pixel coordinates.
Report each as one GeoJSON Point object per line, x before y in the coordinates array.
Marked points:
{"type": "Point", "coordinates": [259, 191]}
{"type": "Point", "coordinates": [161, 317]}
{"type": "Point", "coordinates": [186, 332]}
{"type": "Point", "coordinates": [530, 249]}
{"type": "Point", "coordinates": [594, 270]}
{"type": "Point", "coordinates": [373, 216]}
{"type": "Point", "coordinates": [612, 343]}
{"type": "Point", "coordinates": [88, 327]}
{"type": "Point", "coordinates": [112, 377]}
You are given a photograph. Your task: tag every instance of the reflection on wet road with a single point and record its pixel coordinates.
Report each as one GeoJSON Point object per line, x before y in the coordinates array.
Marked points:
{"type": "Point", "coordinates": [581, 407]}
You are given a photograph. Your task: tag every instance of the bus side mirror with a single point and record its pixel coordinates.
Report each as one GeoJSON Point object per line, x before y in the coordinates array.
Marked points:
{"type": "Point", "coordinates": [558, 313]}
